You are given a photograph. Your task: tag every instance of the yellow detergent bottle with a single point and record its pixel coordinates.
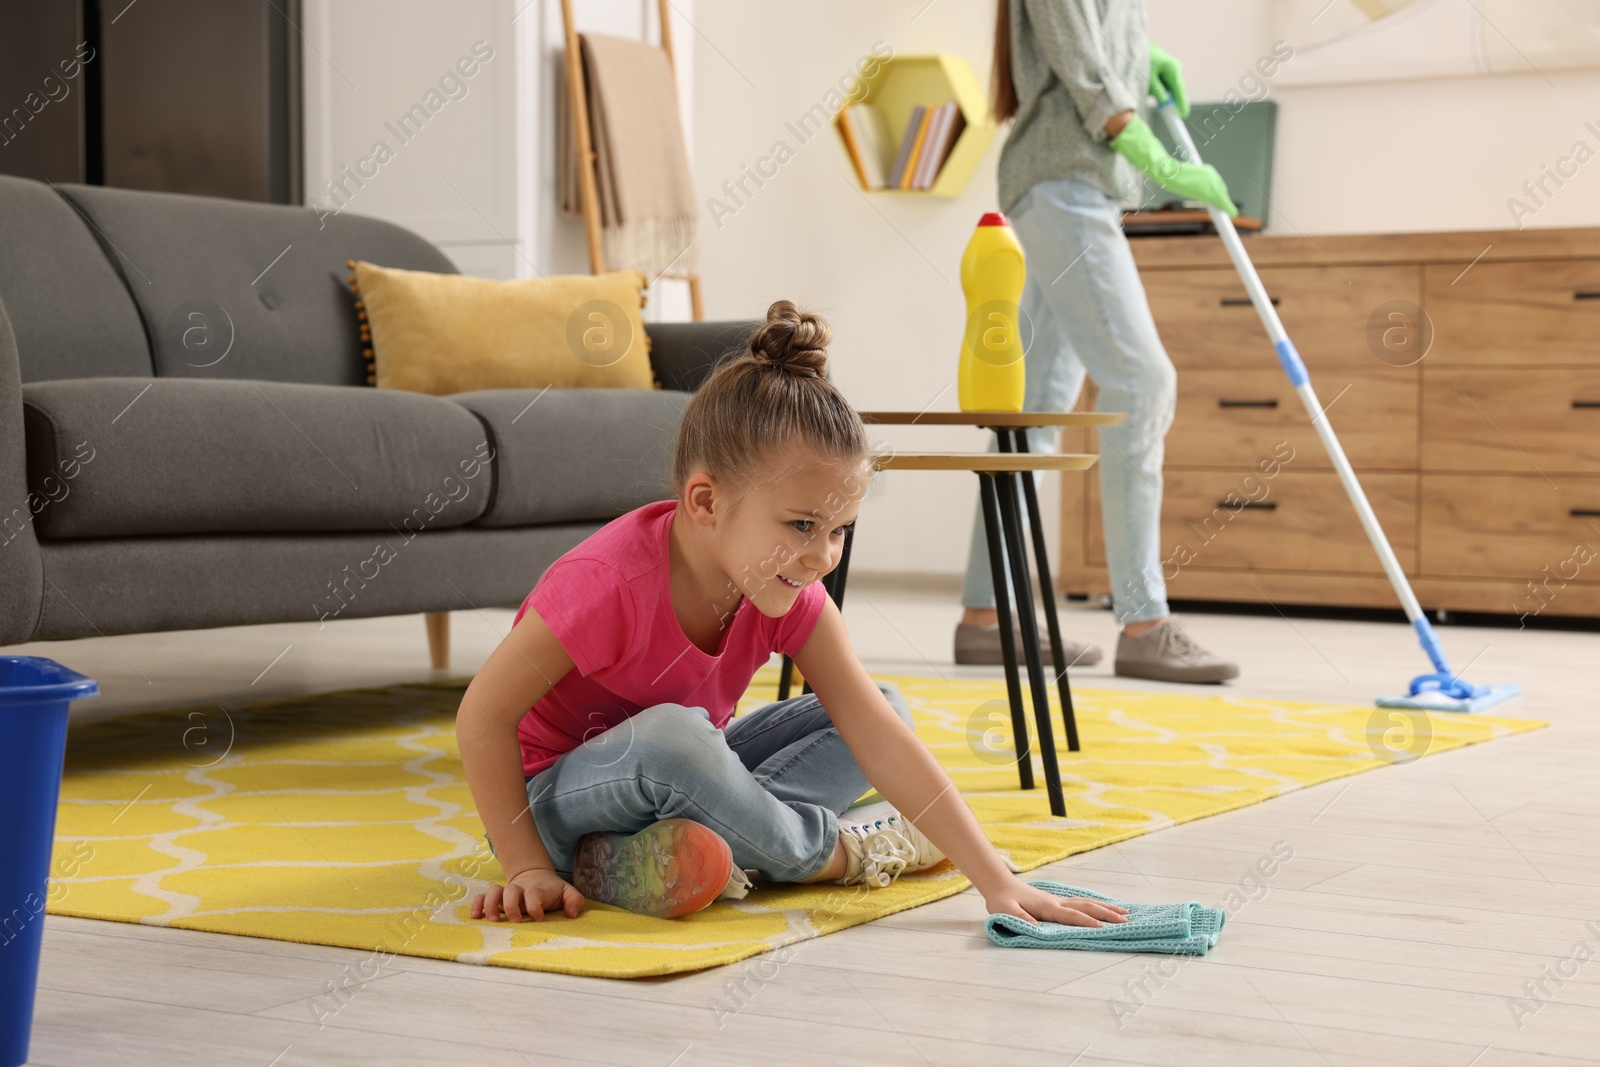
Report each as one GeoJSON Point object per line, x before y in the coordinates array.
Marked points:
{"type": "Point", "coordinates": [992, 374]}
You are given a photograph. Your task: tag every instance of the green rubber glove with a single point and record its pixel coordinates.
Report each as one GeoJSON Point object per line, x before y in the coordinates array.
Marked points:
{"type": "Point", "coordinates": [1138, 145]}
{"type": "Point", "coordinates": [1166, 78]}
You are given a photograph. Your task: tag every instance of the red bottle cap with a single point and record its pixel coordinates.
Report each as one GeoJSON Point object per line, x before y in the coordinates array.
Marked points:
{"type": "Point", "coordinates": [993, 218]}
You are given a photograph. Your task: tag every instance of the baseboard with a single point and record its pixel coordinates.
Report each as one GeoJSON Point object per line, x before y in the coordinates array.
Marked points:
{"type": "Point", "coordinates": [906, 581]}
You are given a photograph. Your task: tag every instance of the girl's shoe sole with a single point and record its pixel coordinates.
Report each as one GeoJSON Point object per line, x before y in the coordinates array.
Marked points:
{"type": "Point", "coordinates": [667, 870]}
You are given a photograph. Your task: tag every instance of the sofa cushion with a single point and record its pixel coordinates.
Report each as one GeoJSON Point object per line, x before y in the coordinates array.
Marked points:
{"type": "Point", "coordinates": [229, 289]}
{"type": "Point", "coordinates": [113, 457]}
{"type": "Point", "coordinates": [142, 584]}
{"type": "Point", "coordinates": [450, 333]}
{"type": "Point", "coordinates": [571, 455]}
{"type": "Point", "coordinates": [71, 314]}
{"type": "Point", "coordinates": [21, 569]}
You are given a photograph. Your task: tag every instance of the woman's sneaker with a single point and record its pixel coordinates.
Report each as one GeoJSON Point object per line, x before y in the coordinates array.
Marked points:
{"type": "Point", "coordinates": [667, 870]}
{"type": "Point", "coordinates": [880, 850]}
{"type": "Point", "coordinates": [980, 646]}
{"type": "Point", "coordinates": [1166, 653]}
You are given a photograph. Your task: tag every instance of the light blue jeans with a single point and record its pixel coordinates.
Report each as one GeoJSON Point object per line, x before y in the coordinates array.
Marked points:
{"type": "Point", "coordinates": [1087, 312]}
{"type": "Point", "coordinates": [773, 784]}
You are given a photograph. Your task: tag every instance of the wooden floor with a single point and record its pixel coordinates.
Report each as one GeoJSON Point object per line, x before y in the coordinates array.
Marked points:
{"type": "Point", "coordinates": [1424, 906]}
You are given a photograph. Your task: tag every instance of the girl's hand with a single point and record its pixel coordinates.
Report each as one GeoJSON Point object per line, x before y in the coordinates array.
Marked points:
{"type": "Point", "coordinates": [532, 892]}
{"type": "Point", "coordinates": [1034, 904]}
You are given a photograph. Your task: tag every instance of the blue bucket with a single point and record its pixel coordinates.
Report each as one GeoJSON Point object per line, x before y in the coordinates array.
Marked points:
{"type": "Point", "coordinates": [34, 694]}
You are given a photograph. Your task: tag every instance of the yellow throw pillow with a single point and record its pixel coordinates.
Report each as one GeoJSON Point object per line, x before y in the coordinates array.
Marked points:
{"type": "Point", "coordinates": [453, 333]}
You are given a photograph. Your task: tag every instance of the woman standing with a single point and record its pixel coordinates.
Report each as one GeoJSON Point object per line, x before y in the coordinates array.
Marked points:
{"type": "Point", "coordinates": [1073, 74]}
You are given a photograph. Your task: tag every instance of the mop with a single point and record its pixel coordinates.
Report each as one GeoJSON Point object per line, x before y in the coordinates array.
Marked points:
{"type": "Point", "coordinates": [1441, 689]}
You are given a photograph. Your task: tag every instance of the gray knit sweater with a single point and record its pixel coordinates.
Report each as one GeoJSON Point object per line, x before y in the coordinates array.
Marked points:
{"type": "Point", "coordinates": [1074, 63]}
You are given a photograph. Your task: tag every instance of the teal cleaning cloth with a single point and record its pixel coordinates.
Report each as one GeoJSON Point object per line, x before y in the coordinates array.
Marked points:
{"type": "Point", "coordinates": [1178, 929]}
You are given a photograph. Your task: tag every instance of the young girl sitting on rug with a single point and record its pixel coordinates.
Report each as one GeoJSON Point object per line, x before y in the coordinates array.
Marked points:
{"type": "Point", "coordinates": [598, 738]}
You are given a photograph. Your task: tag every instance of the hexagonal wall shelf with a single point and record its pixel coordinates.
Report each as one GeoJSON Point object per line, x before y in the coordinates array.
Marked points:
{"type": "Point", "coordinates": [902, 82]}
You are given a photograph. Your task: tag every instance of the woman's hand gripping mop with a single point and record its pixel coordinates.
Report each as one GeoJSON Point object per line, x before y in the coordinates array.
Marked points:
{"type": "Point", "coordinates": [1441, 689]}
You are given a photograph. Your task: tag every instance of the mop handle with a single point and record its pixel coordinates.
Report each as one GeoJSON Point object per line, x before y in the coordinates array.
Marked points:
{"type": "Point", "coordinates": [1295, 368]}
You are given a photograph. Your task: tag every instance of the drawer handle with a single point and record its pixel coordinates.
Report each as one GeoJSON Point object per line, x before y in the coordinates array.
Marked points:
{"type": "Point", "coordinates": [1585, 513]}
{"type": "Point", "coordinates": [1587, 294]}
{"type": "Point", "coordinates": [1244, 301]}
{"type": "Point", "coordinates": [1262, 505]}
{"type": "Point", "coordinates": [1586, 403]}
{"type": "Point", "coordinates": [1225, 403]}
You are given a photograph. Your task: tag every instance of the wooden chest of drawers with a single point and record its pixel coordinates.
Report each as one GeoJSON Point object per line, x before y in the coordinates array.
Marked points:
{"type": "Point", "coordinates": [1461, 372]}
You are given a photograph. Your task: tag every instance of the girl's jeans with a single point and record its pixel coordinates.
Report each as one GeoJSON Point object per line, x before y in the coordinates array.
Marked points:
{"type": "Point", "coordinates": [773, 784]}
{"type": "Point", "coordinates": [1086, 310]}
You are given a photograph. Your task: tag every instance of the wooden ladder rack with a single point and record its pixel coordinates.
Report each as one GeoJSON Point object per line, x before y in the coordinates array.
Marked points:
{"type": "Point", "coordinates": [578, 101]}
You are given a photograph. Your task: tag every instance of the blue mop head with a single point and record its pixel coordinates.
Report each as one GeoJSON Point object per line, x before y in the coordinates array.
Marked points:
{"type": "Point", "coordinates": [1442, 691]}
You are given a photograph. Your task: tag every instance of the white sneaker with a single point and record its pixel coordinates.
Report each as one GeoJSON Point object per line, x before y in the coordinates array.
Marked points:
{"type": "Point", "coordinates": [880, 850]}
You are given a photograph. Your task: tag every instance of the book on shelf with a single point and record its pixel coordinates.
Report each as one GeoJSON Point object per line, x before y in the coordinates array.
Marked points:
{"type": "Point", "coordinates": [868, 139]}
{"type": "Point", "coordinates": [952, 134]}
{"type": "Point", "coordinates": [931, 131]}
{"type": "Point", "coordinates": [942, 133]}
{"type": "Point", "coordinates": [853, 149]}
{"type": "Point", "coordinates": [919, 168]}
{"type": "Point", "coordinates": [925, 149]}
{"type": "Point", "coordinates": [921, 138]}
{"type": "Point", "coordinates": [907, 143]}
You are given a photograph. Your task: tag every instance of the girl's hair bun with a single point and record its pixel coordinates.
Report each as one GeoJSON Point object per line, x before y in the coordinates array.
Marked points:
{"type": "Point", "coordinates": [792, 339]}
{"type": "Point", "coordinates": [766, 407]}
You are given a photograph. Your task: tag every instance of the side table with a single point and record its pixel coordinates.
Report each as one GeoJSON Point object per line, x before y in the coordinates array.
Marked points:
{"type": "Point", "coordinates": [998, 475]}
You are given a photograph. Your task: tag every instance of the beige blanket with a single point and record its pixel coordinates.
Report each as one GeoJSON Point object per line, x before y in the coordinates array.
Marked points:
{"type": "Point", "coordinates": [645, 192]}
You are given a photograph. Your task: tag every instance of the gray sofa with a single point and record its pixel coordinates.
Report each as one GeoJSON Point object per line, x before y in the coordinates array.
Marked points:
{"type": "Point", "coordinates": [188, 440]}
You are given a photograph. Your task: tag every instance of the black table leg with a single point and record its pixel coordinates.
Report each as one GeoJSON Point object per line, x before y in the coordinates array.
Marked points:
{"type": "Point", "coordinates": [841, 573]}
{"type": "Point", "coordinates": [993, 534]}
{"type": "Point", "coordinates": [1011, 520]}
{"type": "Point", "coordinates": [834, 582]}
{"type": "Point", "coordinates": [1047, 589]}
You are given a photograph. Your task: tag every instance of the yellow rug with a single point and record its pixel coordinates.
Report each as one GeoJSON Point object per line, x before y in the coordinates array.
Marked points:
{"type": "Point", "coordinates": [344, 818]}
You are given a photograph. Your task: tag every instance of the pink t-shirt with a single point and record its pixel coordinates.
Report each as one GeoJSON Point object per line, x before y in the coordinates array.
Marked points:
{"type": "Point", "coordinates": [609, 602]}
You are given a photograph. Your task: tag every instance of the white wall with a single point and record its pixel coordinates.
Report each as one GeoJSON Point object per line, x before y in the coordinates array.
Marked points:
{"type": "Point", "coordinates": [454, 181]}
{"type": "Point", "coordinates": [480, 178]}
{"type": "Point", "coordinates": [1398, 156]}
{"type": "Point", "coordinates": [1394, 156]}
{"type": "Point", "coordinates": [1417, 155]}
{"type": "Point", "coordinates": [881, 269]}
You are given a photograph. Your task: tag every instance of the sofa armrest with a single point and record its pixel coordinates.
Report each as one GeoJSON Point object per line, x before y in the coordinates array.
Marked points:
{"type": "Point", "coordinates": [21, 567]}
{"type": "Point", "coordinates": [683, 353]}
